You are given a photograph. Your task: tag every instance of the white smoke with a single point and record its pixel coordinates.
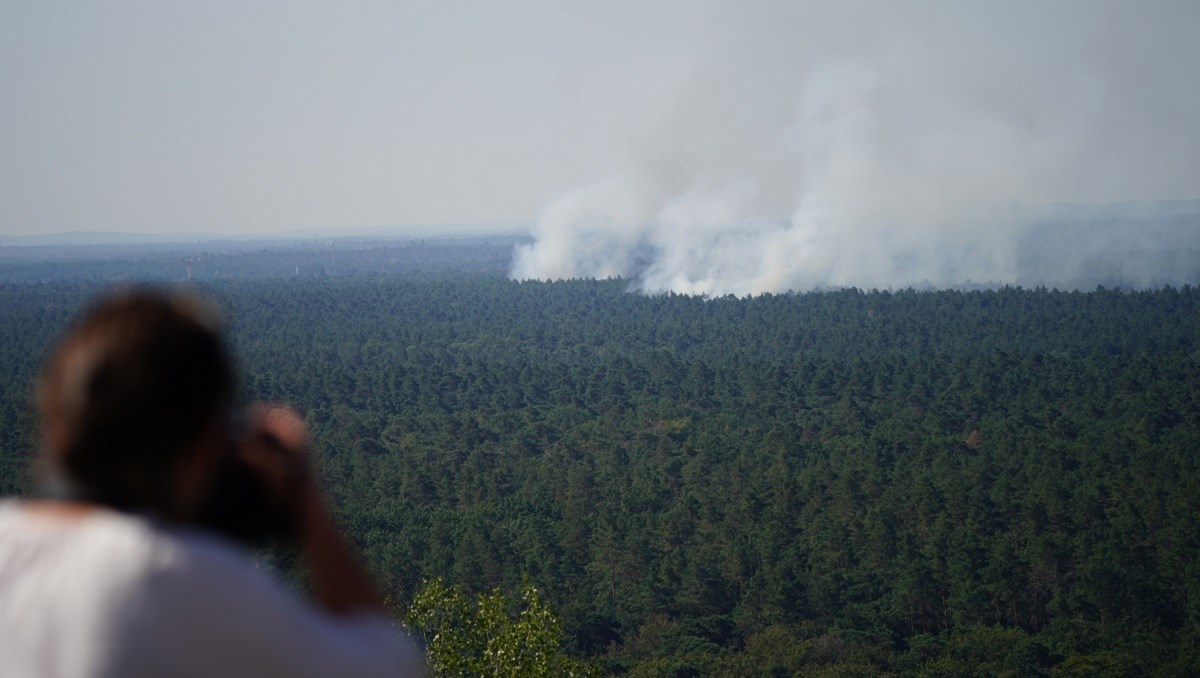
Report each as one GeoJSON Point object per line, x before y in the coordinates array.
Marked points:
{"type": "Point", "coordinates": [908, 154]}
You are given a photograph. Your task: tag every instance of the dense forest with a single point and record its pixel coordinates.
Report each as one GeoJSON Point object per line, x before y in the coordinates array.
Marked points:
{"type": "Point", "coordinates": [850, 482]}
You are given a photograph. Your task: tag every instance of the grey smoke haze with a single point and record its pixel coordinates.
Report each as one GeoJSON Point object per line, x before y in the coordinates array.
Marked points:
{"type": "Point", "coordinates": [895, 144]}
{"type": "Point", "coordinates": [697, 145]}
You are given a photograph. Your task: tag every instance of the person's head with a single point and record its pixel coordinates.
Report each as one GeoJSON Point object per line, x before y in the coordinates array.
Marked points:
{"type": "Point", "coordinates": [134, 402]}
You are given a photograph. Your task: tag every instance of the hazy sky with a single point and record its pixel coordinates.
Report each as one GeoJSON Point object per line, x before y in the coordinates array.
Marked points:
{"type": "Point", "coordinates": [264, 117]}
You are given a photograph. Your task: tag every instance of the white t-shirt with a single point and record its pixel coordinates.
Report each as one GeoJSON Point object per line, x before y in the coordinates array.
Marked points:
{"type": "Point", "coordinates": [116, 595]}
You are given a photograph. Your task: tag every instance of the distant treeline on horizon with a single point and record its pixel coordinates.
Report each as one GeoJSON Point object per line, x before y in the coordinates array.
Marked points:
{"type": "Point", "coordinates": [1069, 247]}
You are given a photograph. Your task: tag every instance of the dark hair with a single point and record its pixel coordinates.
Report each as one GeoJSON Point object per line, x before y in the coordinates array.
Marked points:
{"type": "Point", "coordinates": [129, 391]}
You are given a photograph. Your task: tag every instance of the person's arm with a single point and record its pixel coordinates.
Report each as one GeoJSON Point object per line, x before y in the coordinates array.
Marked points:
{"type": "Point", "coordinates": [339, 581]}
{"type": "Point", "coordinates": [241, 621]}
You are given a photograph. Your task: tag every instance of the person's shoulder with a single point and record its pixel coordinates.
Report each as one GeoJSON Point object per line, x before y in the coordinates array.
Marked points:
{"type": "Point", "coordinates": [220, 597]}
{"type": "Point", "coordinates": [149, 552]}
{"type": "Point", "coordinates": [205, 547]}
{"type": "Point", "coordinates": [199, 584]}
{"type": "Point", "coordinates": [197, 560]}
{"type": "Point", "coordinates": [79, 537]}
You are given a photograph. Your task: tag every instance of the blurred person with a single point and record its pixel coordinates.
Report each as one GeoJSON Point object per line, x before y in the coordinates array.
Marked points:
{"type": "Point", "coordinates": [130, 564]}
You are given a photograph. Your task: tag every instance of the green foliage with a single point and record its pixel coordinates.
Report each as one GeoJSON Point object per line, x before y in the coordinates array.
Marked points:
{"type": "Point", "coordinates": [916, 482]}
{"type": "Point", "coordinates": [484, 640]}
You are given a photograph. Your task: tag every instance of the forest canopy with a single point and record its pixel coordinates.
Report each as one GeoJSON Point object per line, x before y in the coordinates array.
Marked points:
{"type": "Point", "coordinates": [989, 480]}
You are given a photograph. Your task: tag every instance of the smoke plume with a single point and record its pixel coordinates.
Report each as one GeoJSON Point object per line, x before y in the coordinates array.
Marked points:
{"type": "Point", "coordinates": [887, 145]}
